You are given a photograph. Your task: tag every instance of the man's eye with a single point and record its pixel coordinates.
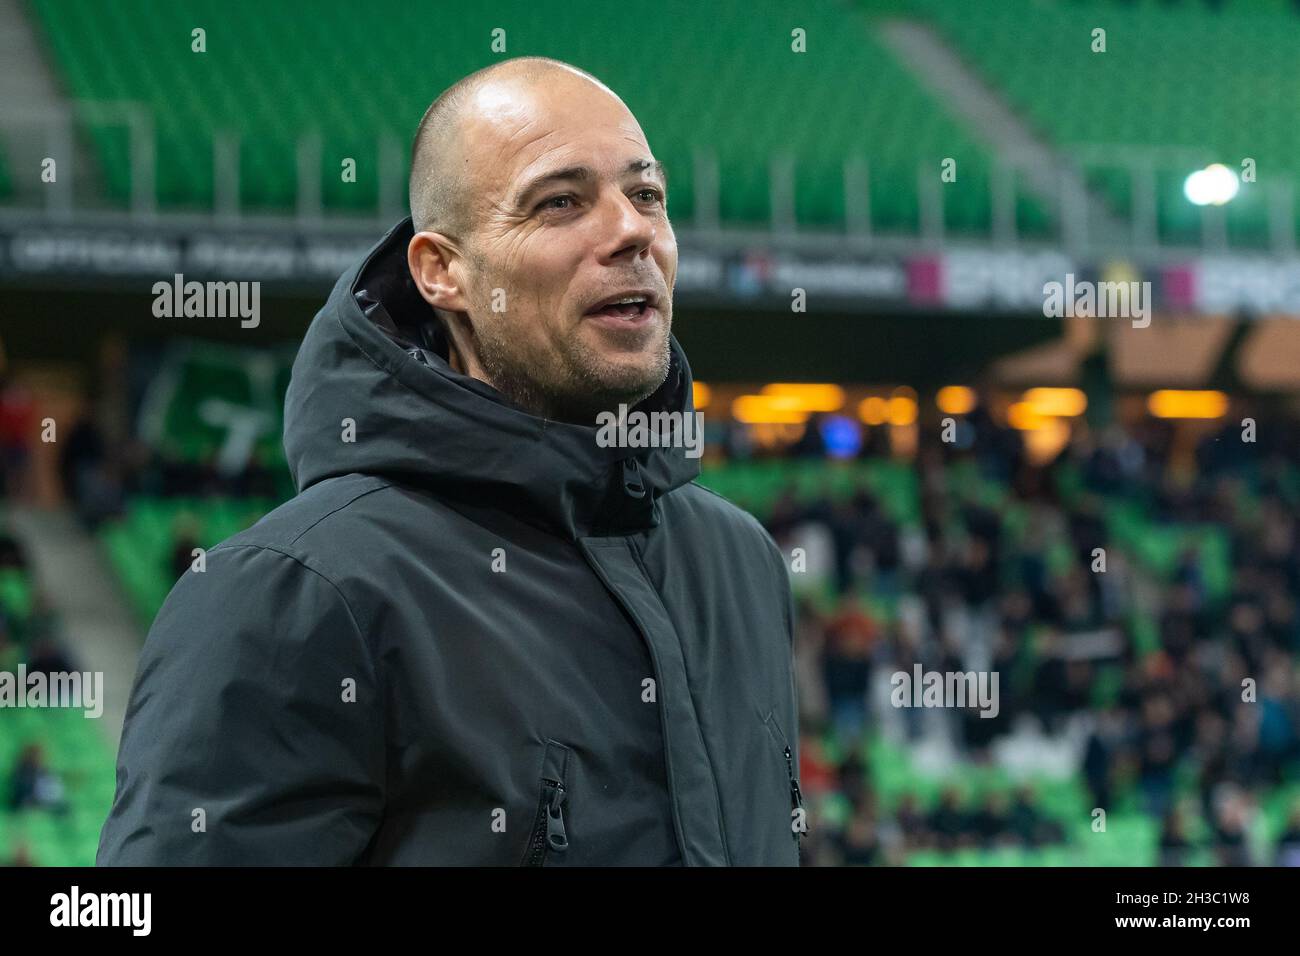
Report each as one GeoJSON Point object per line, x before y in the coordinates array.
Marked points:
{"type": "Point", "coordinates": [546, 203]}
{"type": "Point", "coordinates": [654, 194]}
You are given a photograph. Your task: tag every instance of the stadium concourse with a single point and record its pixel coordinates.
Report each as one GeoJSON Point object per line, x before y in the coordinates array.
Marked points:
{"type": "Point", "coordinates": [961, 483]}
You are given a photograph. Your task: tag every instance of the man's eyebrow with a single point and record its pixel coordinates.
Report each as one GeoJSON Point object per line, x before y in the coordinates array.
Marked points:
{"type": "Point", "coordinates": [584, 174]}
{"type": "Point", "coordinates": [637, 165]}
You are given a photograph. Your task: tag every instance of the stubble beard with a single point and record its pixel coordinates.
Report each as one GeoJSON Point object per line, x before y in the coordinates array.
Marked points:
{"type": "Point", "coordinates": [573, 385]}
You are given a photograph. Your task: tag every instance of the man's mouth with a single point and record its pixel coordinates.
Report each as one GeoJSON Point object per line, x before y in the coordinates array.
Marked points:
{"type": "Point", "coordinates": [624, 308]}
{"type": "Point", "coordinates": [628, 310]}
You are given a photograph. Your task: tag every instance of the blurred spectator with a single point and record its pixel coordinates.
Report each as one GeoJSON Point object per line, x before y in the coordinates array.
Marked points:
{"type": "Point", "coordinates": [17, 432]}
{"type": "Point", "coordinates": [22, 857]}
{"type": "Point", "coordinates": [47, 657]}
{"type": "Point", "coordinates": [34, 785]}
{"type": "Point", "coordinates": [1230, 830]}
{"type": "Point", "coordinates": [1288, 844]}
{"type": "Point", "coordinates": [949, 823]}
{"type": "Point", "coordinates": [851, 636]}
{"type": "Point", "coordinates": [1028, 825]}
{"type": "Point", "coordinates": [860, 845]}
{"type": "Point", "coordinates": [1174, 845]}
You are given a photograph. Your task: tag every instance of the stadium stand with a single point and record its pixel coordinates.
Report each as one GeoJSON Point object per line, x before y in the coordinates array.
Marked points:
{"type": "Point", "coordinates": [211, 423]}
{"type": "Point", "coordinates": [936, 556]}
{"type": "Point", "coordinates": [55, 767]}
{"type": "Point", "coordinates": [273, 84]}
{"type": "Point", "coordinates": [1169, 82]}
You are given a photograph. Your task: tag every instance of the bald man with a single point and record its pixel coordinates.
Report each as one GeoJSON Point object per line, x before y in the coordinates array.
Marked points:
{"type": "Point", "coordinates": [488, 629]}
{"type": "Point", "coordinates": [533, 184]}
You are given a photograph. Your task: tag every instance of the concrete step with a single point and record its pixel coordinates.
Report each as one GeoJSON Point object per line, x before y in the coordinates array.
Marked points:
{"type": "Point", "coordinates": [97, 626]}
{"type": "Point", "coordinates": [1048, 174]}
{"type": "Point", "coordinates": [32, 96]}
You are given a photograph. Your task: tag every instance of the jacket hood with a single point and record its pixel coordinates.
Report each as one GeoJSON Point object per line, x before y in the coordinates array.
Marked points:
{"type": "Point", "coordinates": [374, 362]}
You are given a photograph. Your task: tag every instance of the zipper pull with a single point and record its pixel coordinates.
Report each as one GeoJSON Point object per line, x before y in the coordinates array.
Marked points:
{"type": "Point", "coordinates": [556, 838]}
{"type": "Point", "coordinates": [796, 797]}
{"type": "Point", "coordinates": [633, 487]}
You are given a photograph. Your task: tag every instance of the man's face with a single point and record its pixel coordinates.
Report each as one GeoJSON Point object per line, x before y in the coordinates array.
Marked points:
{"type": "Point", "coordinates": [545, 249]}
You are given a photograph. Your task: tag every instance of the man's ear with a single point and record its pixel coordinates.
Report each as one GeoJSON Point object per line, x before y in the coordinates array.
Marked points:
{"type": "Point", "coordinates": [429, 256]}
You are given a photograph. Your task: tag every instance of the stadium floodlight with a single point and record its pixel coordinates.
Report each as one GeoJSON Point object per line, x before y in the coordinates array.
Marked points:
{"type": "Point", "coordinates": [1214, 185]}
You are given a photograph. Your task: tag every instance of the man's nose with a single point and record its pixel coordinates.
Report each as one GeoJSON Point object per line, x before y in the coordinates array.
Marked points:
{"type": "Point", "coordinates": [627, 231]}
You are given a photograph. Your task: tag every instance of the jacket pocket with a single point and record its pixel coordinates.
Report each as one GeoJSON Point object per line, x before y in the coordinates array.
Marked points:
{"type": "Point", "coordinates": [549, 834]}
{"type": "Point", "coordinates": [796, 798]}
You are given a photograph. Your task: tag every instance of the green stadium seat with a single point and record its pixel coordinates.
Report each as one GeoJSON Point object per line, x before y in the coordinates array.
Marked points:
{"type": "Point", "coordinates": [16, 598]}
{"type": "Point", "coordinates": [270, 86]}
{"type": "Point", "coordinates": [139, 545]}
{"type": "Point", "coordinates": [1170, 78]}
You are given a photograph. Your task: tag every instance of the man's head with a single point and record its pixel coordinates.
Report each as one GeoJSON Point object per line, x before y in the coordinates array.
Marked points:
{"type": "Point", "coordinates": [536, 198]}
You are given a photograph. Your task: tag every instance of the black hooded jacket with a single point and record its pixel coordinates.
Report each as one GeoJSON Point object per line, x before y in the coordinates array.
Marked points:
{"type": "Point", "coordinates": [474, 637]}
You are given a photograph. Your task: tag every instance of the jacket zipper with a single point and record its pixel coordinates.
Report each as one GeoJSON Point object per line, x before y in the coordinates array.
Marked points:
{"type": "Point", "coordinates": [548, 828]}
{"type": "Point", "coordinates": [796, 798]}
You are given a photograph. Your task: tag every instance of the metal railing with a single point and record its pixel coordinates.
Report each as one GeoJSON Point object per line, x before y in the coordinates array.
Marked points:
{"type": "Point", "coordinates": [1080, 219]}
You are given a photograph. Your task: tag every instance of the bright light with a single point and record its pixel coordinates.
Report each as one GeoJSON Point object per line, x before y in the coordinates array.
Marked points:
{"type": "Point", "coordinates": [873, 410]}
{"type": "Point", "coordinates": [1045, 443]}
{"type": "Point", "coordinates": [842, 436]}
{"type": "Point", "coordinates": [1052, 402]}
{"type": "Point", "coordinates": [1212, 186]}
{"type": "Point", "coordinates": [702, 394]}
{"type": "Point", "coordinates": [1171, 403]}
{"type": "Point", "coordinates": [902, 410]}
{"type": "Point", "coordinates": [812, 397]}
{"type": "Point", "coordinates": [774, 409]}
{"type": "Point", "coordinates": [955, 399]}
{"type": "Point", "coordinates": [1025, 418]}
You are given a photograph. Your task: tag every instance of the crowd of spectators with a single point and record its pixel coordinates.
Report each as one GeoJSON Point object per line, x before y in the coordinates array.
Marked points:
{"type": "Point", "coordinates": [28, 638]}
{"type": "Point", "coordinates": [28, 628]}
{"type": "Point", "coordinates": [100, 481]}
{"type": "Point", "coordinates": [1194, 729]}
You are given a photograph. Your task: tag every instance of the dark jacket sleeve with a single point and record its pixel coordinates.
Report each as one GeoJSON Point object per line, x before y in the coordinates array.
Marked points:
{"type": "Point", "coordinates": [242, 744]}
